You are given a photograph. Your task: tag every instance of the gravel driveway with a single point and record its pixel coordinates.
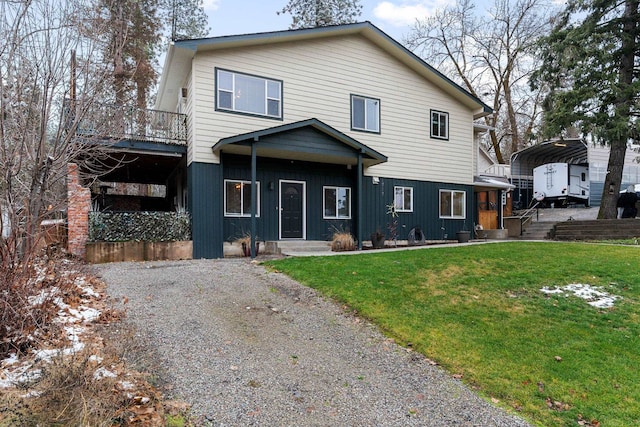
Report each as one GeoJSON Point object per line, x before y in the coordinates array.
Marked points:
{"type": "Point", "coordinates": [247, 347]}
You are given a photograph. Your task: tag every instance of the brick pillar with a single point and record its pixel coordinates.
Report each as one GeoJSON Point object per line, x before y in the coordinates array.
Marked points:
{"type": "Point", "coordinates": [78, 205]}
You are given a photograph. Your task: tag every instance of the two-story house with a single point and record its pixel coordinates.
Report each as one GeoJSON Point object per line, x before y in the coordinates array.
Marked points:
{"type": "Point", "coordinates": [294, 134]}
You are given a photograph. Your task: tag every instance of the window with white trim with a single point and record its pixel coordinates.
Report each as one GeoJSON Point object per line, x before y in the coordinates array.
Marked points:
{"type": "Point", "coordinates": [248, 94]}
{"type": "Point", "coordinates": [336, 202]}
{"type": "Point", "coordinates": [237, 198]}
{"type": "Point", "coordinates": [365, 113]}
{"type": "Point", "coordinates": [439, 124]}
{"type": "Point", "coordinates": [453, 204]}
{"type": "Point", "coordinates": [403, 199]}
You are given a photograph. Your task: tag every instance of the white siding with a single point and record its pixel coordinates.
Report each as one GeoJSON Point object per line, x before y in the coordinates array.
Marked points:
{"type": "Point", "coordinates": [318, 78]}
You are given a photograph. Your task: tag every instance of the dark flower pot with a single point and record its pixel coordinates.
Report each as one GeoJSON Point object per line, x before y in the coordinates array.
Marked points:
{"type": "Point", "coordinates": [463, 236]}
{"type": "Point", "coordinates": [377, 240]}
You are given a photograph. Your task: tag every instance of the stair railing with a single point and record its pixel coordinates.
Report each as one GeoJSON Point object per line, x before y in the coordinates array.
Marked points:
{"type": "Point", "coordinates": [527, 215]}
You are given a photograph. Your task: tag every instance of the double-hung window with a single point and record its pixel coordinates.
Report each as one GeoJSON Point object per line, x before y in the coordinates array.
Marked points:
{"type": "Point", "coordinates": [237, 198]}
{"type": "Point", "coordinates": [365, 114]}
{"type": "Point", "coordinates": [336, 202]}
{"type": "Point", "coordinates": [248, 94]}
{"type": "Point", "coordinates": [453, 204]}
{"type": "Point", "coordinates": [439, 124]}
{"type": "Point", "coordinates": [403, 199]}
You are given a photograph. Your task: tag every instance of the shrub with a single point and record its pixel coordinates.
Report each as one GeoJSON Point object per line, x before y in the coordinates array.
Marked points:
{"type": "Point", "coordinates": [342, 241]}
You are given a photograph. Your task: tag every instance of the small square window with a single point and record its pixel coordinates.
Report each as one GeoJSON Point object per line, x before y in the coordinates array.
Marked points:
{"type": "Point", "coordinates": [453, 204]}
{"type": "Point", "coordinates": [237, 198]}
{"type": "Point", "coordinates": [403, 199]}
{"type": "Point", "coordinates": [336, 203]}
{"type": "Point", "coordinates": [365, 114]}
{"type": "Point", "coordinates": [439, 125]}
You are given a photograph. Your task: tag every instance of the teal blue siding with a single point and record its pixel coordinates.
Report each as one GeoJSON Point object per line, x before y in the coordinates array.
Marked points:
{"type": "Point", "coordinates": [205, 206]}
{"type": "Point", "coordinates": [211, 228]}
{"type": "Point", "coordinates": [425, 209]}
{"type": "Point", "coordinates": [269, 173]}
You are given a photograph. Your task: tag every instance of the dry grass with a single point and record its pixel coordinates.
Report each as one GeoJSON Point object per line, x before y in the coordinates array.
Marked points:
{"type": "Point", "coordinates": [98, 385]}
{"type": "Point", "coordinates": [343, 241]}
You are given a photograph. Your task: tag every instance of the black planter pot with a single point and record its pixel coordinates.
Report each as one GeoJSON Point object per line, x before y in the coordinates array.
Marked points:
{"type": "Point", "coordinates": [463, 236]}
{"type": "Point", "coordinates": [377, 240]}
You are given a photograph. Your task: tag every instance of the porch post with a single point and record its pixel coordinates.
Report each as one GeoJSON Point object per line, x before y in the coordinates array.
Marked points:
{"type": "Point", "coordinates": [359, 202]}
{"type": "Point", "coordinates": [254, 197]}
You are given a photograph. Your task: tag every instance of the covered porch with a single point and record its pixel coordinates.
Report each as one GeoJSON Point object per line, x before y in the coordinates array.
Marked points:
{"type": "Point", "coordinates": [296, 181]}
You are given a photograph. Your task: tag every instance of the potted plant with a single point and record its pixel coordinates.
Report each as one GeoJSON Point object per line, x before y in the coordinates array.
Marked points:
{"type": "Point", "coordinates": [245, 244]}
{"type": "Point", "coordinates": [463, 236]}
{"type": "Point", "coordinates": [377, 239]}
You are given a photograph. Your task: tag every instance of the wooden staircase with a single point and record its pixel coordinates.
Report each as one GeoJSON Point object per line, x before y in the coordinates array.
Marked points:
{"type": "Point", "coordinates": [601, 229]}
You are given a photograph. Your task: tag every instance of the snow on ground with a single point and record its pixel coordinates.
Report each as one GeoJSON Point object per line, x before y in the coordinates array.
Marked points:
{"type": "Point", "coordinates": [15, 371]}
{"type": "Point", "coordinates": [594, 295]}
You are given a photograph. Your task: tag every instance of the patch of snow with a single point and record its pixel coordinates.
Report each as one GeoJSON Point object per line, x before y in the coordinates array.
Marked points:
{"type": "Point", "coordinates": [548, 291]}
{"type": "Point", "coordinates": [87, 291]}
{"type": "Point", "coordinates": [43, 296]}
{"type": "Point", "coordinates": [20, 375]}
{"type": "Point", "coordinates": [102, 372]}
{"type": "Point", "coordinates": [11, 360]}
{"type": "Point", "coordinates": [594, 295]}
{"type": "Point", "coordinates": [85, 314]}
{"type": "Point", "coordinates": [126, 385]}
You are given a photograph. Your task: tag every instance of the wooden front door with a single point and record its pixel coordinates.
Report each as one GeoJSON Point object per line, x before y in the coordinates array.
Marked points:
{"type": "Point", "coordinates": [488, 210]}
{"type": "Point", "coordinates": [292, 210]}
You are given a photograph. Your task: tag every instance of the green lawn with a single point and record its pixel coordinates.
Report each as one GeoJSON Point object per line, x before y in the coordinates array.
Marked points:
{"type": "Point", "coordinates": [478, 310]}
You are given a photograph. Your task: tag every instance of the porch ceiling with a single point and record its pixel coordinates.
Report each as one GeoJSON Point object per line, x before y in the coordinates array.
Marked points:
{"type": "Point", "coordinates": [142, 168]}
{"type": "Point", "coordinates": [309, 140]}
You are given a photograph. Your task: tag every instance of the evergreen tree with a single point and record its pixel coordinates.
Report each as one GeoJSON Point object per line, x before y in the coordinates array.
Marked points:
{"type": "Point", "coordinates": [590, 68]}
{"type": "Point", "coordinates": [320, 13]}
{"type": "Point", "coordinates": [186, 19]}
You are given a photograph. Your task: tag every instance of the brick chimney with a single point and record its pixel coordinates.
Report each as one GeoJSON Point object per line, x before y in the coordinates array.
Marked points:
{"type": "Point", "coordinates": [78, 205]}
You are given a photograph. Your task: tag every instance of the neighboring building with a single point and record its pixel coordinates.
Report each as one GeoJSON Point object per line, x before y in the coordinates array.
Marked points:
{"type": "Point", "coordinates": [298, 133]}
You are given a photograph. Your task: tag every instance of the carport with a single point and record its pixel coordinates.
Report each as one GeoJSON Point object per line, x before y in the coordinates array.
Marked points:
{"type": "Point", "coordinates": [572, 151]}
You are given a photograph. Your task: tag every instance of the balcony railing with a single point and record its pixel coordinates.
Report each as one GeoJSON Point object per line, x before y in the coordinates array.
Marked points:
{"type": "Point", "coordinates": [123, 122]}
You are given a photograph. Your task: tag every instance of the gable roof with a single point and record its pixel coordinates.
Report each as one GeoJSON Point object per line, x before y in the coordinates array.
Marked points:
{"type": "Point", "coordinates": [328, 145]}
{"type": "Point", "coordinates": [178, 60]}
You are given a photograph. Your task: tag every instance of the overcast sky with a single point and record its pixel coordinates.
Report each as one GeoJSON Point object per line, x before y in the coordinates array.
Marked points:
{"type": "Point", "coordinates": [394, 17]}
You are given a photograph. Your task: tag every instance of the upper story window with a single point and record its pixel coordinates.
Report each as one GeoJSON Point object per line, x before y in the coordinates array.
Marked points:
{"type": "Point", "coordinates": [453, 204]}
{"type": "Point", "coordinates": [337, 202]}
{"type": "Point", "coordinates": [439, 125]}
{"type": "Point", "coordinates": [365, 114]}
{"type": "Point", "coordinates": [237, 198]}
{"type": "Point", "coordinates": [403, 199]}
{"type": "Point", "coordinates": [247, 94]}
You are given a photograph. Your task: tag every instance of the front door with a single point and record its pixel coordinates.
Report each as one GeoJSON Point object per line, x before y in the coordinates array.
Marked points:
{"type": "Point", "coordinates": [292, 209]}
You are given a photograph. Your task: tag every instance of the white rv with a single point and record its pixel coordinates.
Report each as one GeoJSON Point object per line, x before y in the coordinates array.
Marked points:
{"type": "Point", "coordinates": [558, 184]}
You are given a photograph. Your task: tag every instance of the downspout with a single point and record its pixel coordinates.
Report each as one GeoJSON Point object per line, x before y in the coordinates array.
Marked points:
{"type": "Point", "coordinates": [359, 202]}
{"type": "Point", "coordinates": [254, 197]}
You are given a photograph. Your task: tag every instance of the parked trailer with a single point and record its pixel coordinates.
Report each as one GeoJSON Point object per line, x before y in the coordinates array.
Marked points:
{"type": "Point", "coordinates": [558, 184]}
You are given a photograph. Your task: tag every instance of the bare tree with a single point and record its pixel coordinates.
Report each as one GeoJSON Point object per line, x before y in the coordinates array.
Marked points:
{"type": "Point", "coordinates": [45, 98]}
{"type": "Point", "coordinates": [490, 55]}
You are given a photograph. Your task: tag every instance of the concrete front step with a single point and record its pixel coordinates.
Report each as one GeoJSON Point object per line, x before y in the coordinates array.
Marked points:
{"type": "Point", "coordinates": [292, 247]}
